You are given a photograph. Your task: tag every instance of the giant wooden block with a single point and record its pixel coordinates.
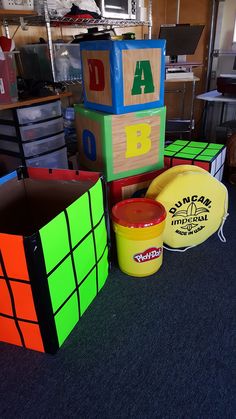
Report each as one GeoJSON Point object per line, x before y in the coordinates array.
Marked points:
{"type": "Point", "coordinates": [120, 145]}
{"type": "Point", "coordinates": [53, 254]}
{"type": "Point", "coordinates": [209, 156]}
{"type": "Point", "coordinates": [123, 76]}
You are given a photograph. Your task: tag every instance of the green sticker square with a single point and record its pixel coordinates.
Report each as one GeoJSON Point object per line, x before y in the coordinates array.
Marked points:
{"type": "Point", "coordinates": [55, 243]}
{"type": "Point", "coordinates": [216, 147]}
{"type": "Point", "coordinates": [208, 152]}
{"type": "Point", "coordinates": [180, 142]}
{"type": "Point", "coordinates": [96, 194]}
{"type": "Point", "coordinates": [100, 238]}
{"type": "Point", "coordinates": [66, 318]}
{"type": "Point", "coordinates": [79, 219]}
{"type": "Point", "coordinates": [169, 153]}
{"type": "Point", "coordinates": [84, 258]}
{"type": "Point", "coordinates": [183, 155]}
{"type": "Point", "coordinates": [204, 158]}
{"type": "Point", "coordinates": [173, 147]}
{"type": "Point", "coordinates": [61, 283]}
{"type": "Point", "coordinates": [88, 291]}
{"type": "Point", "coordinates": [191, 150]}
{"type": "Point", "coordinates": [197, 144]}
{"type": "Point", "coordinates": [103, 269]}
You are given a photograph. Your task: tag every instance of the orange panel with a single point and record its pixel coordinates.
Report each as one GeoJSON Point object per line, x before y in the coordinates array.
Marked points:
{"type": "Point", "coordinates": [13, 253]}
{"type": "Point", "coordinates": [23, 301]}
{"type": "Point", "coordinates": [5, 300]}
{"type": "Point", "coordinates": [32, 336]}
{"type": "Point", "coordinates": [9, 332]}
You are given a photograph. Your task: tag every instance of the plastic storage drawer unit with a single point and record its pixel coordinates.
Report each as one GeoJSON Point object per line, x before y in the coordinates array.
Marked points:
{"type": "Point", "coordinates": [43, 129]}
{"type": "Point", "coordinates": [55, 159]}
{"type": "Point", "coordinates": [34, 147]}
{"type": "Point", "coordinates": [39, 113]}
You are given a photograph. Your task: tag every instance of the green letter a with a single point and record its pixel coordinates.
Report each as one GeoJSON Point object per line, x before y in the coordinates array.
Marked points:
{"type": "Point", "coordinates": [143, 68]}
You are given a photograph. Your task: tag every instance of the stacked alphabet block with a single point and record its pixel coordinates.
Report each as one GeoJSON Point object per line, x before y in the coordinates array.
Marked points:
{"type": "Point", "coordinates": [121, 126]}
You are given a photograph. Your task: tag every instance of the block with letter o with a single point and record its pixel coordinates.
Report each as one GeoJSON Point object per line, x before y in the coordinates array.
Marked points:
{"type": "Point", "coordinates": [120, 145]}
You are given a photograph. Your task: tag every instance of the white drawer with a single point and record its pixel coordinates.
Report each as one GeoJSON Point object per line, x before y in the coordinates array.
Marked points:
{"type": "Point", "coordinates": [39, 113]}
{"type": "Point", "coordinates": [56, 159]}
{"type": "Point", "coordinates": [31, 132]}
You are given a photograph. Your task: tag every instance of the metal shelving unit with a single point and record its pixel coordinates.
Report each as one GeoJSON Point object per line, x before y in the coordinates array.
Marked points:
{"type": "Point", "coordinates": [22, 19]}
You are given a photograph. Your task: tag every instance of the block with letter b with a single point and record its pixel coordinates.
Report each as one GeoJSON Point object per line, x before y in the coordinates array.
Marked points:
{"type": "Point", "coordinates": [123, 76]}
{"type": "Point", "coordinates": [120, 145]}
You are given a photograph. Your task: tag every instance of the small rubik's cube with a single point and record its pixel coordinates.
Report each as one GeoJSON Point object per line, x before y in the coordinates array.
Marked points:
{"type": "Point", "coordinates": [123, 76]}
{"type": "Point", "coordinates": [209, 156]}
{"type": "Point", "coordinates": [120, 145]}
{"type": "Point", "coordinates": [53, 254]}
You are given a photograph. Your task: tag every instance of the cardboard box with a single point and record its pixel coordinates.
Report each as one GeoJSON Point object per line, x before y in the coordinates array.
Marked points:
{"type": "Point", "coordinates": [123, 76]}
{"type": "Point", "coordinates": [53, 254]}
{"type": "Point", "coordinates": [120, 145]}
{"type": "Point", "coordinates": [209, 156]}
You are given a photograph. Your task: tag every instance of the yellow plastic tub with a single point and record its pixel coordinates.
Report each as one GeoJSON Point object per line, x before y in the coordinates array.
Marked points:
{"type": "Point", "coordinates": [138, 224]}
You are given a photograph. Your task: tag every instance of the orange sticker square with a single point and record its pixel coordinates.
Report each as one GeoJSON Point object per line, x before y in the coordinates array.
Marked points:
{"type": "Point", "coordinates": [9, 332]}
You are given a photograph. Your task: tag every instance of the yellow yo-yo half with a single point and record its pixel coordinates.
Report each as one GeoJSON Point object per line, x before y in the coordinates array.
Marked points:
{"type": "Point", "coordinates": [196, 204]}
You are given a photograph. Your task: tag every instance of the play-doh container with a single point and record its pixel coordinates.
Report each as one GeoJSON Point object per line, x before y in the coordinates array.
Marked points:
{"type": "Point", "coordinates": [138, 224]}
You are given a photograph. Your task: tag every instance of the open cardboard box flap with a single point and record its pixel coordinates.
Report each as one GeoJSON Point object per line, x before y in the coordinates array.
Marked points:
{"type": "Point", "coordinates": [28, 203]}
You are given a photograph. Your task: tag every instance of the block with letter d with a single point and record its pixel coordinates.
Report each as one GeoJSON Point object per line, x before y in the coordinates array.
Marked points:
{"type": "Point", "coordinates": [120, 145]}
{"type": "Point", "coordinates": [123, 76]}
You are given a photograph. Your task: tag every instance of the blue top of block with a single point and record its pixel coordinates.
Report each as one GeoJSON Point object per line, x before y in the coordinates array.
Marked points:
{"type": "Point", "coordinates": [126, 44]}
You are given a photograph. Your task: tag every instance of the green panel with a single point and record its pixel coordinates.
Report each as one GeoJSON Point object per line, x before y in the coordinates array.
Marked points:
{"type": "Point", "coordinates": [204, 158]}
{"type": "Point", "coordinates": [88, 291]}
{"type": "Point", "coordinates": [173, 147]}
{"type": "Point", "coordinates": [96, 194]}
{"type": "Point", "coordinates": [185, 155]}
{"type": "Point", "coordinates": [54, 238]}
{"type": "Point", "coordinates": [210, 152]}
{"type": "Point", "coordinates": [103, 270]}
{"type": "Point", "coordinates": [108, 150]}
{"type": "Point", "coordinates": [191, 150]}
{"type": "Point", "coordinates": [197, 144]}
{"type": "Point", "coordinates": [79, 219]}
{"type": "Point", "coordinates": [100, 238]}
{"type": "Point", "coordinates": [180, 142]}
{"type": "Point", "coordinates": [66, 318]}
{"type": "Point", "coordinates": [216, 146]}
{"type": "Point", "coordinates": [84, 258]}
{"type": "Point", "coordinates": [61, 283]}
{"type": "Point", "coordinates": [169, 153]}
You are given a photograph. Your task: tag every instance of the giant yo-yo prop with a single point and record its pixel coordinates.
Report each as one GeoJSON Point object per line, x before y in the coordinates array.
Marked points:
{"type": "Point", "coordinates": [196, 204]}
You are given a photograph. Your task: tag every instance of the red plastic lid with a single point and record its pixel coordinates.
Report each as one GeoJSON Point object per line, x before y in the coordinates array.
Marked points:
{"type": "Point", "coordinates": [138, 212]}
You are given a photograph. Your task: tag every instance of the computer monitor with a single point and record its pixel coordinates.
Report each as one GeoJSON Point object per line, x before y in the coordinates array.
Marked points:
{"type": "Point", "coordinates": [181, 39]}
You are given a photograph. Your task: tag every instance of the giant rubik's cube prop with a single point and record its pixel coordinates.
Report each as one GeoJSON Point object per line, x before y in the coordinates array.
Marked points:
{"type": "Point", "coordinates": [53, 254]}
{"type": "Point", "coordinates": [121, 126]}
{"type": "Point", "coordinates": [209, 156]}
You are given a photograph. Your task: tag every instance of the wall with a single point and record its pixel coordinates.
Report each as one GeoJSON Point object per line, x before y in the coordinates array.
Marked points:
{"type": "Point", "coordinates": [227, 26]}
{"type": "Point", "coordinates": [165, 12]}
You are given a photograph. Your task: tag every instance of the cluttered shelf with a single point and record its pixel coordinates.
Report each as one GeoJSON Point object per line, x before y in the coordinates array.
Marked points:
{"type": "Point", "coordinates": [34, 101]}
{"type": "Point", "coordinates": [34, 20]}
{"type": "Point", "coordinates": [16, 13]}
